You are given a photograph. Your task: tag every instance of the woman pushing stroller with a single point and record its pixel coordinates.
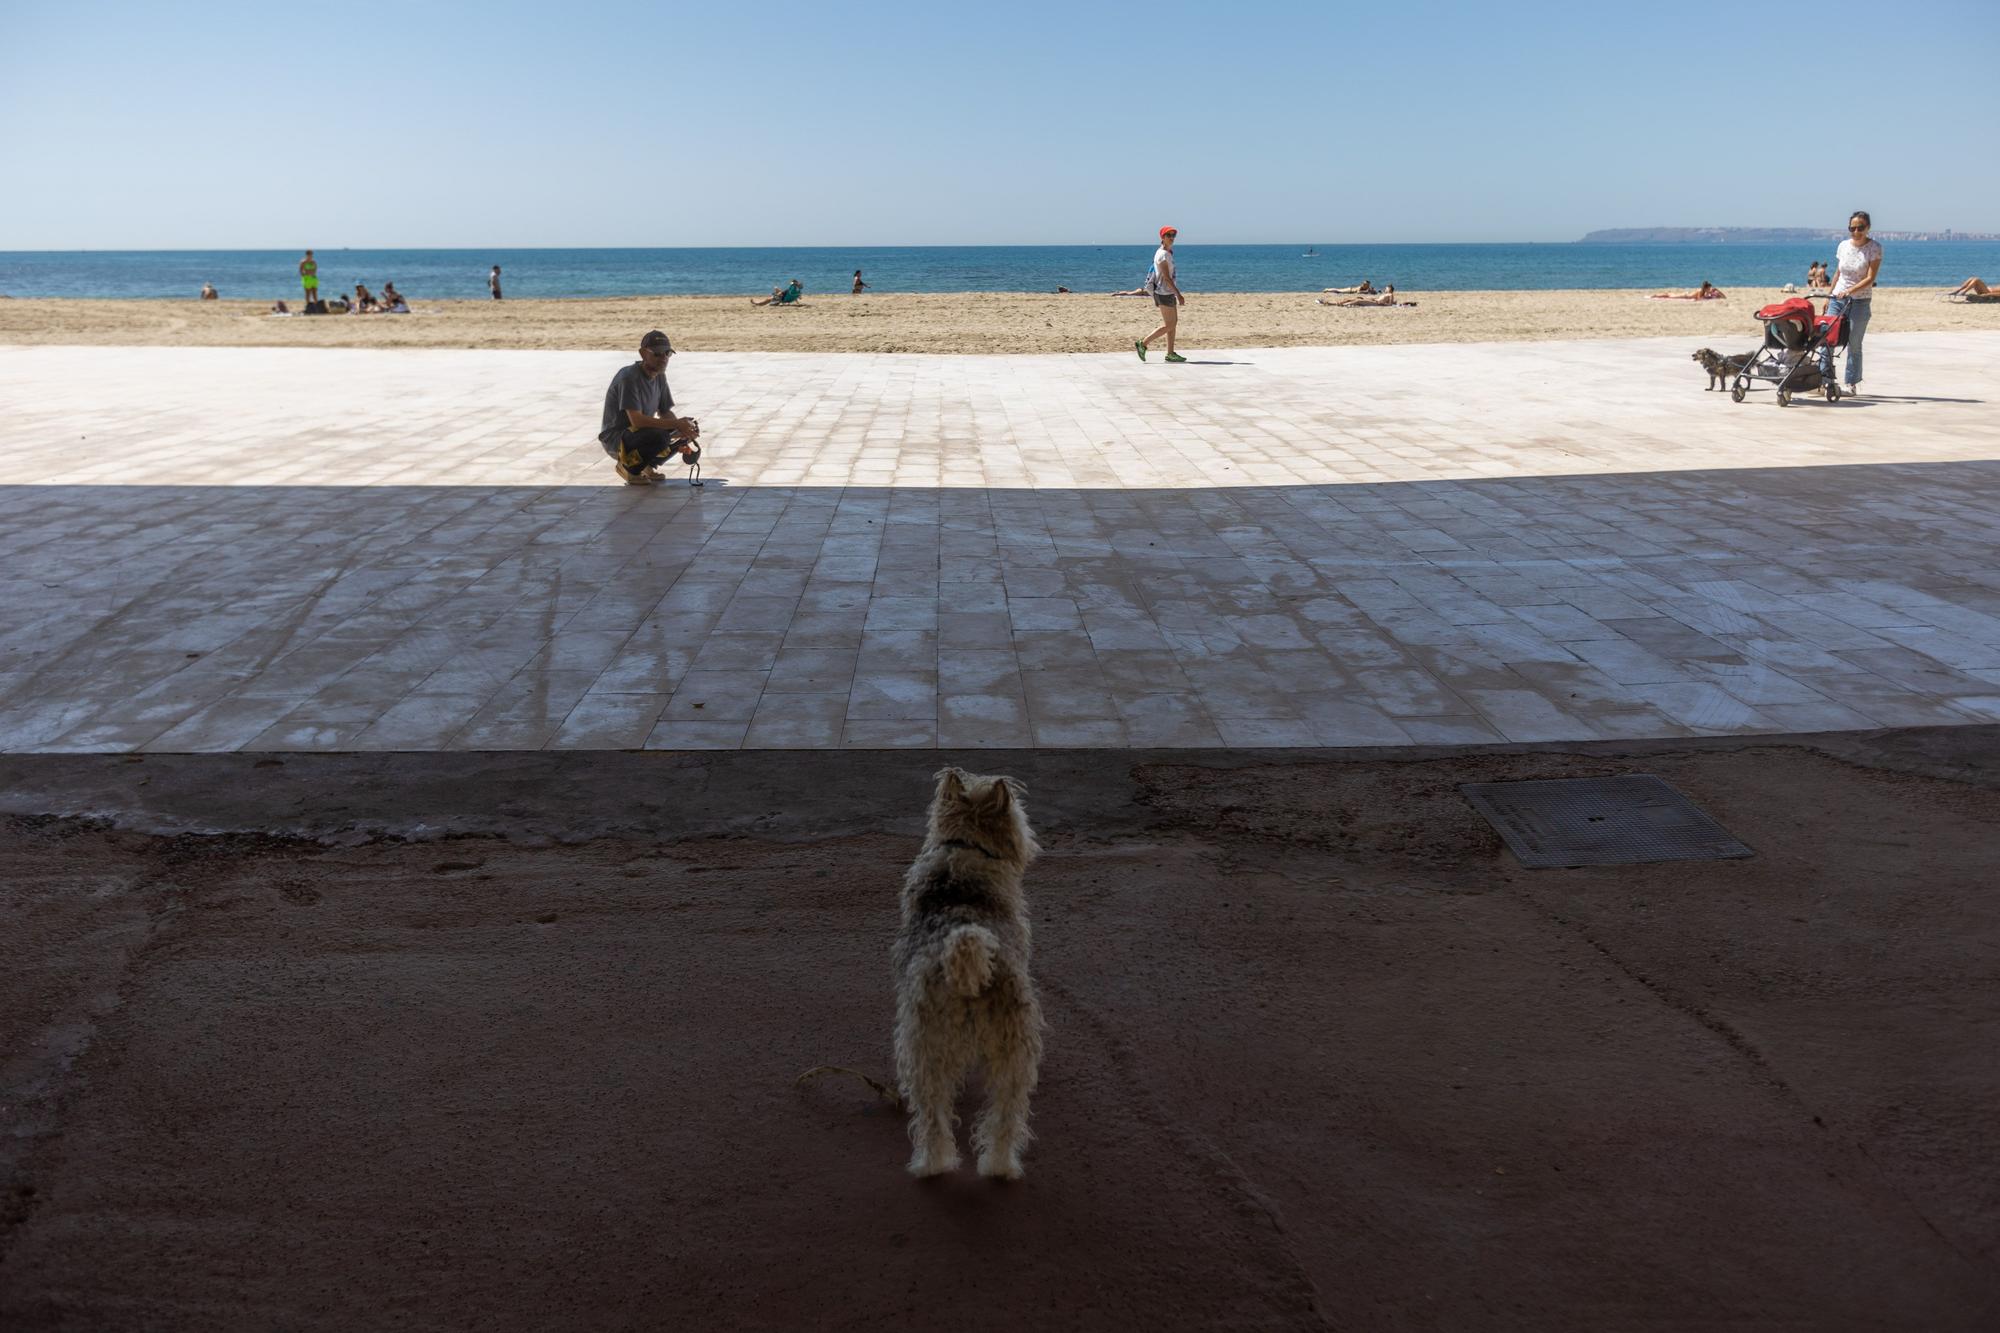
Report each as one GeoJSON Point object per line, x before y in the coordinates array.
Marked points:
{"type": "Point", "coordinates": [1856, 264]}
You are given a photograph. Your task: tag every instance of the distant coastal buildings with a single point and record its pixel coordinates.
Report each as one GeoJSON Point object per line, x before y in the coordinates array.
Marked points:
{"type": "Point", "coordinates": [1762, 235]}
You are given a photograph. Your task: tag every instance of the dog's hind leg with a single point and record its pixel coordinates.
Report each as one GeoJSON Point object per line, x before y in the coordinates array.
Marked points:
{"type": "Point", "coordinates": [1012, 1048]}
{"type": "Point", "coordinates": [933, 1148]}
{"type": "Point", "coordinates": [929, 1081]}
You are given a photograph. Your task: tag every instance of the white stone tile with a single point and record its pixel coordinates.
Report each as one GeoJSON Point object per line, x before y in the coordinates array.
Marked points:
{"type": "Point", "coordinates": [1442, 562]}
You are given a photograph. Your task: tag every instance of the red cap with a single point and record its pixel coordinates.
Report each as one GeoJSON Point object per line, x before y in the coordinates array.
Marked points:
{"type": "Point", "coordinates": [1165, 230]}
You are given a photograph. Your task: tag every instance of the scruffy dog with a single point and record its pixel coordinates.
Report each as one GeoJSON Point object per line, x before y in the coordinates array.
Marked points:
{"type": "Point", "coordinates": [963, 994]}
{"type": "Point", "coordinates": [1721, 369]}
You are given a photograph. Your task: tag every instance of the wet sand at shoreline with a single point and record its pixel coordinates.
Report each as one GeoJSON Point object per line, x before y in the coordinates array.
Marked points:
{"type": "Point", "coordinates": [1015, 322]}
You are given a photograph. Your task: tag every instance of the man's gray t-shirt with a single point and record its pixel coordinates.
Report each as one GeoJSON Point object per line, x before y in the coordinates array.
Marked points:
{"type": "Point", "coordinates": [631, 388]}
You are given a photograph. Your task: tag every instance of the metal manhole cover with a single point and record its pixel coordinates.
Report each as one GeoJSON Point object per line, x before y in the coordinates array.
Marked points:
{"type": "Point", "coordinates": [1629, 820]}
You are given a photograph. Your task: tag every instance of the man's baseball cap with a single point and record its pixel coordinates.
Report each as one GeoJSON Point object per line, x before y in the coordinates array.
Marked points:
{"type": "Point", "coordinates": [1175, 230]}
{"type": "Point", "coordinates": [655, 342]}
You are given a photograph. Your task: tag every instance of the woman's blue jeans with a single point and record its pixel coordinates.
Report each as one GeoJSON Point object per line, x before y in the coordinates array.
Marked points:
{"type": "Point", "coordinates": [1856, 313]}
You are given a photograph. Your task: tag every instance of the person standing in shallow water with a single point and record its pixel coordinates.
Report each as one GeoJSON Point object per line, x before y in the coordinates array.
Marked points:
{"type": "Point", "coordinates": [1855, 265]}
{"type": "Point", "coordinates": [1163, 285]}
{"type": "Point", "coordinates": [493, 282]}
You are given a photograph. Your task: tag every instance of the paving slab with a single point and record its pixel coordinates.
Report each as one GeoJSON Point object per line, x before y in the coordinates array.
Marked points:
{"type": "Point", "coordinates": [224, 549]}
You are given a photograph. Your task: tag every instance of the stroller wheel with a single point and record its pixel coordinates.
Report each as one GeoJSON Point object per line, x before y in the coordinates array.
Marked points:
{"type": "Point", "coordinates": [1832, 392]}
{"type": "Point", "coordinates": [1784, 398]}
{"type": "Point", "coordinates": [1737, 389]}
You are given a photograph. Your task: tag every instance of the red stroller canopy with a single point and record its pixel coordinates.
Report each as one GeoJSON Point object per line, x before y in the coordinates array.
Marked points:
{"type": "Point", "coordinates": [1797, 308]}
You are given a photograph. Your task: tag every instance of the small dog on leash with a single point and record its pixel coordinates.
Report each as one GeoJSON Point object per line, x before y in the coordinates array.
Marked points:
{"type": "Point", "coordinates": [1721, 369]}
{"type": "Point", "coordinates": [963, 994]}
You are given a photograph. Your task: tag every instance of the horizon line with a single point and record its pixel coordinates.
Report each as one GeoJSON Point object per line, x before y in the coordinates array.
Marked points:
{"type": "Point", "coordinates": [927, 245]}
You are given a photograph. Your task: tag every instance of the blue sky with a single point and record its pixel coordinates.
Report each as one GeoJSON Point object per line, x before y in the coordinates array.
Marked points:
{"type": "Point", "coordinates": [227, 125]}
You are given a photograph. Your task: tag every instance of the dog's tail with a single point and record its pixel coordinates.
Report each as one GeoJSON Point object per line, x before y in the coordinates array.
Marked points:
{"type": "Point", "coordinates": [968, 959]}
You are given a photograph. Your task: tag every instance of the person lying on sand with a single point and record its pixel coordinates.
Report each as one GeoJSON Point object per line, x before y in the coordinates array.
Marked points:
{"type": "Point", "coordinates": [1708, 291]}
{"type": "Point", "coordinates": [1367, 288]}
{"type": "Point", "coordinates": [1387, 296]}
{"type": "Point", "coordinates": [1971, 287]}
{"type": "Point", "coordinates": [783, 295]}
{"type": "Point", "coordinates": [1136, 291]}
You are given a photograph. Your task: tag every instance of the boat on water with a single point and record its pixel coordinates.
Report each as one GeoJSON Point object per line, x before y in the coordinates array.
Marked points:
{"type": "Point", "coordinates": [1310, 253]}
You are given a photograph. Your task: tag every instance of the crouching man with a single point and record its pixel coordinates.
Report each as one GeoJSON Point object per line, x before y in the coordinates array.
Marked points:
{"type": "Point", "coordinates": [640, 428]}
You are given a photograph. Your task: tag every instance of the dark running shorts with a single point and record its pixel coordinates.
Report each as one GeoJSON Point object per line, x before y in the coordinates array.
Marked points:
{"type": "Point", "coordinates": [1163, 298]}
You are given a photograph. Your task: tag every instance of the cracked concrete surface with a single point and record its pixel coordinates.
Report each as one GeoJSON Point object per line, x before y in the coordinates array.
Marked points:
{"type": "Point", "coordinates": [508, 1042]}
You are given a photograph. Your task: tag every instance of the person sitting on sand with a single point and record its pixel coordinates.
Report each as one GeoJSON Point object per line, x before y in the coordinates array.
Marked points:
{"type": "Point", "coordinates": [1971, 287]}
{"type": "Point", "coordinates": [208, 291]}
{"type": "Point", "coordinates": [280, 308]}
{"type": "Point", "coordinates": [364, 300]}
{"type": "Point", "coordinates": [1708, 291]}
{"type": "Point", "coordinates": [1816, 279]}
{"type": "Point", "coordinates": [639, 428]}
{"type": "Point", "coordinates": [392, 300]}
{"type": "Point", "coordinates": [783, 295]}
{"type": "Point", "coordinates": [1367, 288]}
{"type": "Point", "coordinates": [1062, 291]}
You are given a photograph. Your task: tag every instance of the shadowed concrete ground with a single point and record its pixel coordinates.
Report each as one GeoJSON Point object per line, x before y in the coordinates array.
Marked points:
{"type": "Point", "coordinates": [507, 1042]}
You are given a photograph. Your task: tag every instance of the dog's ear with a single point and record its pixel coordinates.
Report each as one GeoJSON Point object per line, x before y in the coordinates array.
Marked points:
{"type": "Point", "coordinates": [1001, 798]}
{"type": "Point", "coordinates": [951, 783]}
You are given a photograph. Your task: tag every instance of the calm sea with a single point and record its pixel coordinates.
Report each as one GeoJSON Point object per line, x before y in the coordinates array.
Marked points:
{"type": "Point", "coordinates": [267, 274]}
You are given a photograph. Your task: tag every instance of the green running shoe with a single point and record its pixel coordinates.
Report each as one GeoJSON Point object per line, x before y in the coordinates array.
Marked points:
{"type": "Point", "coordinates": [1175, 357]}
{"type": "Point", "coordinates": [1140, 343]}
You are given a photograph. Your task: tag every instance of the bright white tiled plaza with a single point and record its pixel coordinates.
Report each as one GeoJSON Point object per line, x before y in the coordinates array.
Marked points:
{"type": "Point", "coordinates": [222, 549]}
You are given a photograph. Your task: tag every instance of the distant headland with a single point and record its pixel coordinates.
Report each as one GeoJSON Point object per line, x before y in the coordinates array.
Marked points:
{"type": "Point", "coordinates": [1764, 235]}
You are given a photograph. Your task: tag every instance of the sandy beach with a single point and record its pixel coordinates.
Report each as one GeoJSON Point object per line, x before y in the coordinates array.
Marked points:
{"type": "Point", "coordinates": [1016, 322]}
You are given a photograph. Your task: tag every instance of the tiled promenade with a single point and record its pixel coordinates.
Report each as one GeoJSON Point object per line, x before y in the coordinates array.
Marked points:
{"type": "Point", "coordinates": [215, 549]}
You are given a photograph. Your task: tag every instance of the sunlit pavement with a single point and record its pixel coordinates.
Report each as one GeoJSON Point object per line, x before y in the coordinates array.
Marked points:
{"type": "Point", "coordinates": [220, 549]}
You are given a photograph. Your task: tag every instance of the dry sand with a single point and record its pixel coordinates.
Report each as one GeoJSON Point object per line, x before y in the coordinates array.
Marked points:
{"type": "Point", "coordinates": [1004, 322]}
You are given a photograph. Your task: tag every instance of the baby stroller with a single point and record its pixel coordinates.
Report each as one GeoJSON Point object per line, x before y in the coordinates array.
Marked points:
{"type": "Point", "coordinates": [1789, 359]}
